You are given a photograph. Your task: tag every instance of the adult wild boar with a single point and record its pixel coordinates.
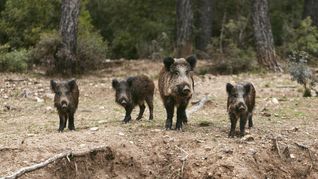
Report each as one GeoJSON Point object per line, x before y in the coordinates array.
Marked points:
{"type": "Point", "coordinates": [176, 86]}
{"type": "Point", "coordinates": [66, 102]}
{"type": "Point", "coordinates": [134, 91]}
{"type": "Point", "coordinates": [240, 104]}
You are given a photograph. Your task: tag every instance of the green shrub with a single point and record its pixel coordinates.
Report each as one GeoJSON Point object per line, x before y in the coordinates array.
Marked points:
{"type": "Point", "coordinates": [91, 50]}
{"type": "Point", "coordinates": [14, 61]}
{"type": "Point", "coordinates": [303, 38]}
{"type": "Point", "coordinates": [233, 56]}
{"type": "Point", "coordinates": [299, 70]}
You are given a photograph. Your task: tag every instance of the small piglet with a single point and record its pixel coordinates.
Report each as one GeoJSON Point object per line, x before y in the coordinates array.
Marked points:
{"type": "Point", "coordinates": [66, 102]}
{"type": "Point", "coordinates": [240, 104]}
{"type": "Point", "coordinates": [134, 91]}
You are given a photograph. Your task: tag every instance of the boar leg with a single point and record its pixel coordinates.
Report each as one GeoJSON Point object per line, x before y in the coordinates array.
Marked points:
{"type": "Point", "coordinates": [149, 101]}
{"type": "Point", "coordinates": [71, 122]}
{"type": "Point", "coordinates": [128, 114]}
{"type": "Point", "coordinates": [250, 120]}
{"type": "Point", "coordinates": [169, 105]}
{"type": "Point", "coordinates": [233, 120]}
{"type": "Point", "coordinates": [141, 112]}
{"type": "Point", "coordinates": [62, 122]}
{"type": "Point", "coordinates": [181, 116]}
{"type": "Point", "coordinates": [243, 121]}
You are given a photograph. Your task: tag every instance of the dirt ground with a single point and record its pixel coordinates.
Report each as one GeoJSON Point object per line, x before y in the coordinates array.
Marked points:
{"type": "Point", "coordinates": [282, 144]}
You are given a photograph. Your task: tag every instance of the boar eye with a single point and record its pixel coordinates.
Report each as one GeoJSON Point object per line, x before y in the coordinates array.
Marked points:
{"type": "Point", "coordinates": [235, 95]}
{"type": "Point", "coordinates": [58, 93]}
{"type": "Point", "coordinates": [176, 73]}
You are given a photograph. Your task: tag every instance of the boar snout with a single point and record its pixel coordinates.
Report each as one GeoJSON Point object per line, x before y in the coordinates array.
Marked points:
{"type": "Point", "coordinates": [241, 107]}
{"type": "Point", "coordinates": [184, 89]}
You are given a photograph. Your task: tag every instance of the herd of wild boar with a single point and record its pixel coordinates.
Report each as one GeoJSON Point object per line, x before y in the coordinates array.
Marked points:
{"type": "Point", "coordinates": [176, 86]}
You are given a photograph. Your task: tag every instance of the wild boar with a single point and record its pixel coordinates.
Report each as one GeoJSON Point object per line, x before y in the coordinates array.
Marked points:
{"type": "Point", "coordinates": [134, 91]}
{"type": "Point", "coordinates": [176, 86]}
{"type": "Point", "coordinates": [240, 104]}
{"type": "Point", "coordinates": [66, 102]}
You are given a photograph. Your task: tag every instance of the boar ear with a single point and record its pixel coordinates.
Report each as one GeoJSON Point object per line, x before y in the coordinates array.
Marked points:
{"type": "Point", "coordinates": [53, 86]}
{"type": "Point", "coordinates": [168, 61]}
{"type": "Point", "coordinates": [115, 83]}
{"type": "Point", "coordinates": [192, 61]}
{"type": "Point", "coordinates": [71, 84]}
{"type": "Point", "coordinates": [247, 88]}
{"type": "Point", "coordinates": [229, 88]}
{"type": "Point", "coordinates": [130, 80]}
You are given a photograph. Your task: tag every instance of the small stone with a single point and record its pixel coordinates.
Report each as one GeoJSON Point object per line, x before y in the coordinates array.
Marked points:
{"type": "Point", "coordinates": [292, 156]}
{"type": "Point", "coordinates": [39, 100]}
{"type": "Point", "coordinates": [131, 142]}
{"type": "Point", "coordinates": [208, 149]}
{"type": "Point", "coordinates": [30, 135]}
{"type": "Point", "coordinates": [101, 107]}
{"type": "Point", "coordinates": [49, 108]}
{"type": "Point", "coordinates": [94, 129]}
{"type": "Point", "coordinates": [121, 134]}
{"type": "Point", "coordinates": [248, 138]}
{"type": "Point", "coordinates": [275, 101]}
{"type": "Point", "coordinates": [5, 96]}
{"type": "Point", "coordinates": [82, 145]}
{"type": "Point", "coordinates": [102, 122]}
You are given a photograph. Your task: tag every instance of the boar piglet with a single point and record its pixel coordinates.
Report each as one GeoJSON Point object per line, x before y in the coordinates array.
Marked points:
{"type": "Point", "coordinates": [240, 104]}
{"type": "Point", "coordinates": [176, 86]}
{"type": "Point", "coordinates": [134, 91]}
{"type": "Point", "coordinates": [65, 101]}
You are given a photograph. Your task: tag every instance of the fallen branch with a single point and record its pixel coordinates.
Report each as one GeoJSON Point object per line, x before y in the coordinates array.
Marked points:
{"type": "Point", "coordinates": [276, 147]}
{"type": "Point", "coordinates": [197, 106]}
{"type": "Point", "coordinates": [65, 154]}
{"type": "Point", "coordinates": [183, 159]}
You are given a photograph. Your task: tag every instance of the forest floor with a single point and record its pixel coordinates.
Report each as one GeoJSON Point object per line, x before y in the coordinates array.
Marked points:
{"type": "Point", "coordinates": [282, 144]}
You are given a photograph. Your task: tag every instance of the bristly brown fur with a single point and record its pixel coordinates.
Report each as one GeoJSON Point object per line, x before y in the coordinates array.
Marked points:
{"type": "Point", "coordinates": [175, 77]}
{"type": "Point", "coordinates": [241, 95]}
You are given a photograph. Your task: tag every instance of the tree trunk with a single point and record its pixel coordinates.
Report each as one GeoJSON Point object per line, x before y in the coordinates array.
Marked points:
{"type": "Point", "coordinates": [311, 10]}
{"type": "Point", "coordinates": [205, 24]}
{"type": "Point", "coordinates": [68, 31]}
{"type": "Point", "coordinates": [184, 28]}
{"type": "Point", "coordinates": [266, 54]}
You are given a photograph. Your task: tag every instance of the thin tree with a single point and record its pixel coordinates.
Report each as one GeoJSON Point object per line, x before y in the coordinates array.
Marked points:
{"type": "Point", "coordinates": [68, 31]}
{"type": "Point", "coordinates": [311, 10]}
{"type": "Point", "coordinates": [265, 49]}
{"type": "Point", "coordinates": [184, 28]}
{"type": "Point", "coordinates": [205, 24]}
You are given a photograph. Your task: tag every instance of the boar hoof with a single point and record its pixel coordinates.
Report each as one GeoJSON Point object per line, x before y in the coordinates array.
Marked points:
{"type": "Point", "coordinates": [60, 130]}
{"type": "Point", "coordinates": [126, 119]}
{"type": "Point", "coordinates": [231, 135]}
{"type": "Point", "coordinates": [168, 126]}
{"type": "Point", "coordinates": [138, 118]}
{"type": "Point", "coordinates": [242, 134]}
{"type": "Point", "coordinates": [72, 128]}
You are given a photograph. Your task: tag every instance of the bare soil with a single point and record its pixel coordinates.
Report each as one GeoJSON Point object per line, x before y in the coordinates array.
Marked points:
{"type": "Point", "coordinates": [282, 144]}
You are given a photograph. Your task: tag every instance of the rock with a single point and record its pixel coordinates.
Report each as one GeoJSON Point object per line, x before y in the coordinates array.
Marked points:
{"type": "Point", "coordinates": [207, 149]}
{"type": "Point", "coordinates": [275, 101]}
{"type": "Point", "coordinates": [292, 156]}
{"type": "Point", "coordinates": [49, 108]}
{"type": "Point", "coordinates": [39, 100]}
{"type": "Point", "coordinates": [248, 138]}
{"type": "Point", "coordinates": [82, 145]}
{"type": "Point", "coordinates": [102, 122]}
{"type": "Point", "coordinates": [101, 107]}
{"type": "Point", "coordinates": [5, 96]}
{"type": "Point", "coordinates": [94, 129]}
{"type": "Point", "coordinates": [121, 134]}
